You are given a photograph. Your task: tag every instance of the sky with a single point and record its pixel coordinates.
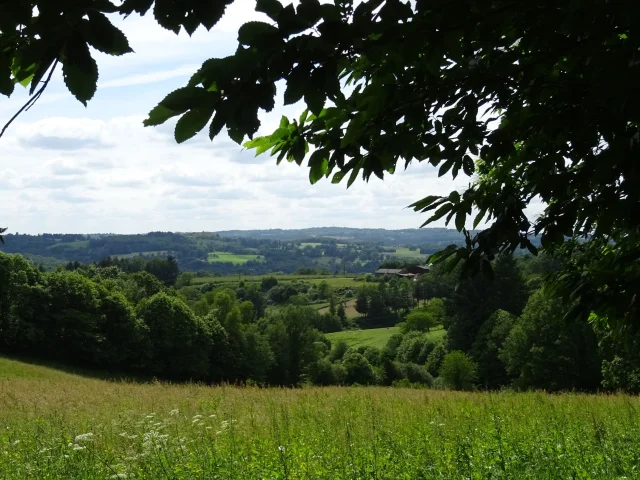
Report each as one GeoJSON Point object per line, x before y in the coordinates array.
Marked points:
{"type": "Point", "coordinates": [70, 169]}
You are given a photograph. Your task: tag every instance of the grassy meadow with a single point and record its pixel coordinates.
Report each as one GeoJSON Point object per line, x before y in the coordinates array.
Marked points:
{"type": "Point", "coordinates": [234, 258]}
{"type": "Point", "coordinates": [404, 252]}
{"type": "Point", "coordinates": [374, 337]}
{"type": "Point", "coordinates": [55, 425]}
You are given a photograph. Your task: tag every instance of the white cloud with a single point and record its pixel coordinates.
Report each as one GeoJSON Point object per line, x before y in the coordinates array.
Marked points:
{"type": "Point", "coordinates": [99, 170]}
{"type": "Point", "coordinates": [153, 77]}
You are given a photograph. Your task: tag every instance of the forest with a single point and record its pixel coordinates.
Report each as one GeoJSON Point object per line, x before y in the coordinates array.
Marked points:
{"type": "Point", "coordinates": [151, 320]}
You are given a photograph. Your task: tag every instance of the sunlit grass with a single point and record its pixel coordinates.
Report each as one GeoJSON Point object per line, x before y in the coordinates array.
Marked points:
{"type": "Point", "coordinates": [60, 426]}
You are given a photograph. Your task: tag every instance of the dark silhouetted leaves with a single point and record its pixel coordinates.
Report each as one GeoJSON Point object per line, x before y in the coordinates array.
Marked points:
{"type": "Point", "coordinates": [80, 70]}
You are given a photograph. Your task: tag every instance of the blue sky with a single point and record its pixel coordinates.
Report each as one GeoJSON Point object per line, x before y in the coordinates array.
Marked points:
{"type": "Point", "coordinates": [67, 168]}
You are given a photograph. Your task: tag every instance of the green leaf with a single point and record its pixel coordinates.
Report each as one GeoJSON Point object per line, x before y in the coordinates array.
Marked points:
{"type": "Point", "coordinates": [461, 216]}
{"type": "Point", "coordinates": [6, 83]}
{"type": "Point", "coordinates": [479, 218]}
{"type": "Point", "coordinates": [159, 115]}
{"type": "Point", "coordinates": [314, 100]}
{"type": "Point", "coordinates": [454, 197]}
{"type": "Point", "coordinates": [186, 98]}
{"type": "Point", "coordinates": [446, 166]}
{"type": "Point", "coordinates": [425, 203]}
{"type": "Point", "coordinates": [103, 36]}
{"type": "Point", "coordinates": [79, 70]}
{"type": "Point", "coordinates": [296, 85]}
{"type": "Point", "coordinates": [192, 122]}
{"type": "Point", "coordinates": [303, 117]}
{"type": "Point", "coordinates": [319, 166]}
{"type": "Point", "coordinates": [219, 120]}
{"type": "Point", "coordinates": [337, 177]}
{"type": "Point", "coordinates": [468, 166]}
{"type": "Point", "coordinates": [271, 7]}
{"type": "Point", "coordinates": [439, 213]}
{"type": "Point", "coordinates": [253, 33]}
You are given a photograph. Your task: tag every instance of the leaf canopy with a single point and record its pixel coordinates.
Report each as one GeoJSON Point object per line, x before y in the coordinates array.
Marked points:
{"type": "Point", "coordinates": [537, 101]}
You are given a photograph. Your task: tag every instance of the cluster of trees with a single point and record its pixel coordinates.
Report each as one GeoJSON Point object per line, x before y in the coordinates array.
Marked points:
{"type": "Point", "coordinates": [101, 316]}
{"type": "Point", "coordinates": [512, 332]}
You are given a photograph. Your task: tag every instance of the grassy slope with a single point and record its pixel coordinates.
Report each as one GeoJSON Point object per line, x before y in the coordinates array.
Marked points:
{"type": "Point", "coordinates": [350, 309]}
{"type": "Point", "coordinates": [193, 432]}
{"type": "Point", "coordinates": [374, 337]}
{"type": "Point", "coordinates": [233, 258]}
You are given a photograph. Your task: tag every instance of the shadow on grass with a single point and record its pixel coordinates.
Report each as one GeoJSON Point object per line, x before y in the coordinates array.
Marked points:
{"type": "Point", "coordinates": [85, 372]}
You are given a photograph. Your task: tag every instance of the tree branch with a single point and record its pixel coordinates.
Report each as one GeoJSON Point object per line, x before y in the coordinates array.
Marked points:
{"type": "Point", "coordinates": [31, 102]}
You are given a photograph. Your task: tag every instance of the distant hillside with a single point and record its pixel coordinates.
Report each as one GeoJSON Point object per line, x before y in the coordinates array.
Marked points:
{"type": "Point", "coordinates": [255, 252]}
{"type": "Point", "coordinates": [413, 236]}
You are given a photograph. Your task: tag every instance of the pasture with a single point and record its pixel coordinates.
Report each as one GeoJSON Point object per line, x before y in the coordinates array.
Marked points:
{"type": "Point", "coordinates": [404, 252]}
{"type": "Point", "coordinates": [350, 309]}
{"type": "Point", "coordinates": [374, 337]}
{"type": "Point", "coordinates": [55, 425]}
{"type": "Point", "coordinates": [234, 258]}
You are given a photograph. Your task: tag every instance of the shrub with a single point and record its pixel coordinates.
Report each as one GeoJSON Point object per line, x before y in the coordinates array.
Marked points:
{"type": "Point", "coordinates": [458, 370]}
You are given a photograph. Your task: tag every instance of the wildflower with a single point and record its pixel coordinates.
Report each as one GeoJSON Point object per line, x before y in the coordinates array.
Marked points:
{"type": "Point", "coordinates": [118, 475]}
{"type": "Point", "coordinates": [207, 428]}
{"type": "Point", "coordinates": [15, 444]}
{"type": "Point", "coordinates": [281, 448]}
{"type": "Point", "coordinates": [174, 412]}
{"type": "Point", "coordinates": [212, 416]}
{"type": "Point", "coordinates": [77, 447]}
{"type": "Point", "coordinates": [197, 417]}
{"type": "Point", "coordinates": [85, 437]}
{"type": "Point", "coordinates": [124, 434]}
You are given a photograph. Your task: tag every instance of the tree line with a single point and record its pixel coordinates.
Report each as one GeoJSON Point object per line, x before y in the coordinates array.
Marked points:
{"type": "Point", "coordinates": [508, 332]}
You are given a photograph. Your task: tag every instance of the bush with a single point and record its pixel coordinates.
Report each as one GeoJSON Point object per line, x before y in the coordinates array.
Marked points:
{"type": "Point", "coordinates": [434, 360]}
{"type": "Point", "coordinates": [458, 370]}
{"type": "Point", "coordinates": [416, 374]}
{"type": "Point", "coordinates": [359, 370]}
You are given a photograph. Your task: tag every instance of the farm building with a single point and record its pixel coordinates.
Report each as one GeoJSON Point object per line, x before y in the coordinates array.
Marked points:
{"type": "Point", "coordinates": [381, 272]}
{"type": "Point", "coordinates": [409, 272]}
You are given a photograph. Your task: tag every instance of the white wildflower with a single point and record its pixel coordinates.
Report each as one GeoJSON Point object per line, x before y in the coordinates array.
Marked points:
{"type": "Point", "coordinates": [77, 447]}
{"type": "Point", "coordinates": [124, 434]}
{"type": "Point", "coordinates": [208, 428]}
{"type": "Point", "coordinates": [15, 444]}
{"type": "Point", "coordinates": [154, 440]}
{"type": "Point", "coordinates": [281, 448]}
{"type": "Point", "coordinates": [85, 437]}
{"type": "Point", "coordinates": [132, 437]}
{"type": "Point", "coordinates": [118, 475]}
{"type": "Point", "coordinates": [212, 416]}
{"type": "Point", "coordinates": [197, 417]}
{"type": "Point", "coordinates": [174, 412]}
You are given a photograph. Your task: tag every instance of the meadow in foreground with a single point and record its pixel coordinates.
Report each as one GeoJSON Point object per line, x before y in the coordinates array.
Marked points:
{"type": "Point", "coordinates": [56, 425]}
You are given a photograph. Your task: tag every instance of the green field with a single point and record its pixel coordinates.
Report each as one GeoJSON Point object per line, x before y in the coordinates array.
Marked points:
{"type": "Point", "coordinates": [233, 258]}
{"type": "Point", "coordinates": [404, 252]}
{"type": "Point", "coordinates": [60, 426]}
{"type": "Point", "coordinates": [374, 337]}
{"type": "Point", "coordinates": [334, 282]}
{"type": "Point", "coordinates": [137, 254]}
{"type": "Point", "coordinates": [350, 309]}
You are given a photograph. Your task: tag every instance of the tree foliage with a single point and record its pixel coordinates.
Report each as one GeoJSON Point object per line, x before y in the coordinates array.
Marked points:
{"type": "Point", "coordinates": [538, 101]}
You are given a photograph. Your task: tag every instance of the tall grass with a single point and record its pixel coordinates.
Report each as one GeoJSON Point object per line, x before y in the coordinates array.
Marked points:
{"type": "Point", "coordinates": [60, 426]}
